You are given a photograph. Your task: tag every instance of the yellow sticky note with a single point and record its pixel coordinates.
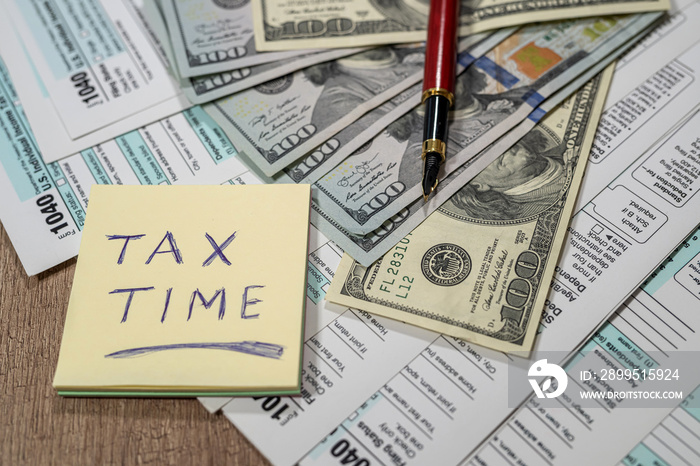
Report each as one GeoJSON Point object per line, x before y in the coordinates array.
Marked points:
{"type": "Point", "coordinates": [188, 290]}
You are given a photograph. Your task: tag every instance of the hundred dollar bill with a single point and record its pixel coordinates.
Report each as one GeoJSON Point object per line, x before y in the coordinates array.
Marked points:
{"type": "Point", "coordinates": [370, 247]}
{"type": "Point", "coordinates": [326, 156]}
{"type": "Point", "coordinates": [279, 121]}
{"type": "Point", "coordinates": [203, 89]}
{"type": "Point", "coordinates": [492, 96]}
{"type": "Point", "coordinates": [211, 36]}
{"type": "Point", "coordinates": [280, 25]}
{"type": "Point", "coordinates": [479, 267]}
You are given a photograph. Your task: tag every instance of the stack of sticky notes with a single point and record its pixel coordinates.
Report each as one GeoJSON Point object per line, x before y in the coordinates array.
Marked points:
{"type": "Point", "coordinates": [188, 291]}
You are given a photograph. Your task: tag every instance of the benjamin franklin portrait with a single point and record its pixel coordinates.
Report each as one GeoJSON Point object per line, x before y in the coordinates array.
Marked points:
{"type": "Point", "coordinates": [521, 183]}
{"type": "Point", "coordinates": [352, 81]}
{"type": "Point", "coordinates": [472, 114]}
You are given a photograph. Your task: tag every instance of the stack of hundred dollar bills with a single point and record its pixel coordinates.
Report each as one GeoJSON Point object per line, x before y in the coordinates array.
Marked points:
{"type": "Point", "coordinates": [329, 95]}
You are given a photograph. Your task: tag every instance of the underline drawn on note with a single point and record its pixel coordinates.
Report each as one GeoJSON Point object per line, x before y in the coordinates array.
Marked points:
{"type": "Point", "coordinates": [255, 348]}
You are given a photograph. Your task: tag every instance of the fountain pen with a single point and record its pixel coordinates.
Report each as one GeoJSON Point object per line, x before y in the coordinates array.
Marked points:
{"type": "Point", "coordinates": [438, 86]}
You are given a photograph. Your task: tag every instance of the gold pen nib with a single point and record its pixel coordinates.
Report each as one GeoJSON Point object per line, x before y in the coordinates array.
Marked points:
{"type": "Point", "coordinates": [431, 167]}
{"type": "Point", "coordinates": [432, 188]}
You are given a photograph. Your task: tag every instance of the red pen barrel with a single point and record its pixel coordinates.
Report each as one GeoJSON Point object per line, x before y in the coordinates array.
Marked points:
{"type": "Point", "coordinates": [441, 47]}
{"type": "Point", "coordinates": [438, 87]}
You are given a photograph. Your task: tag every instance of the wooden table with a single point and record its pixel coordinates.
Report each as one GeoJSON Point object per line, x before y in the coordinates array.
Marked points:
{"type": "Point", "coordinates": [39, 427]}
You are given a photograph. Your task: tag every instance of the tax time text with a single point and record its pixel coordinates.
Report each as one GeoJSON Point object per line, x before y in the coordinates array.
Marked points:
{"type": "Point", "coordinates": [168, 247]}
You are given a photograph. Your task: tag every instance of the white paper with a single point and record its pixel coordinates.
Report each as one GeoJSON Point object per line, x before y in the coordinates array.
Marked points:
{"type": "Point", "coordinates": [660, 318]}
{"type": "Point", "coordinates": [676, 440]}
{"type": "Point", "coordinates": [44, 205]}
{"type": "Point", "coordinates": [124, 84]}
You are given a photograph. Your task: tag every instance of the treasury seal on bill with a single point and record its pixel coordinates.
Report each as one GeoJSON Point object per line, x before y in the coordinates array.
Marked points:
{"type": "Point", "coordinates": [446, 264]}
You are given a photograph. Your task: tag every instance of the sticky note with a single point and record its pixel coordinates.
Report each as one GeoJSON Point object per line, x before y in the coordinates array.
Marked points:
{"type": "Point", "coordinates": [188, 291]}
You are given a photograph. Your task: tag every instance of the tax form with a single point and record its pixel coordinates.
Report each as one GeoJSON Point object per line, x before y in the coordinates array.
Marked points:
{"type": "Point", "coordinates": [675, 440]}
{"type": "Point", "coordinates": [86, 70]}
{"type": "Point", "coordinates": [44, 204]}
{"type": "Point", "coordinates": [661, 318]}
{"type": "Point", "coordinates": [421, 402]}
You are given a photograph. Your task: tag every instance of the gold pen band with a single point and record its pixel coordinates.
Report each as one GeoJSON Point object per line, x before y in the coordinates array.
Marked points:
{"type": "Point", "coordinates": [434, 146]}
{"type": "Point", "coordinates": [437, 91]}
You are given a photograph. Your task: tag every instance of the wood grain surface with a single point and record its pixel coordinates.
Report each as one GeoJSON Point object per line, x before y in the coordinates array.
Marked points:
{"type": "Point", "coordinates": [39, 427]}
